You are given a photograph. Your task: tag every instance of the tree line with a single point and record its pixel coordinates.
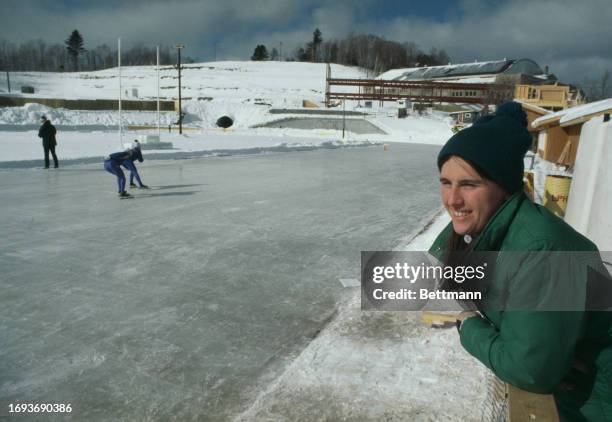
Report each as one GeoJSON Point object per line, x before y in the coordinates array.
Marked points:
{"type": "Point", "coordinates": [598, 88]}
{"type": "Point", "coordinates": [364, 50]}
{"type": "Point", "coordinates": [37, 55]}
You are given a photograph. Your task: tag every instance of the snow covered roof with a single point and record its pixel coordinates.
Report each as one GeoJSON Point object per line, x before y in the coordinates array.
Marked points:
{"type": "Point", "coordinates": [488, 79]}
{"type": "Point", "coordinates": [575, 115]}
{"type": "Point", "coordinates": [468, 108]}
{"type": "Point", "coordinates": [525, 66]}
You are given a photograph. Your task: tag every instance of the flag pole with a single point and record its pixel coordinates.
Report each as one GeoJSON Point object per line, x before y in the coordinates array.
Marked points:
{"type": "Point", "coordinates": [158, 131]}
{"type": "Point", "coordinates": [119, 66]}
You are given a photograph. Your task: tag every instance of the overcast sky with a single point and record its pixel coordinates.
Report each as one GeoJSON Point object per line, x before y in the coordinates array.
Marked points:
{"type": "Point", "coordinates": [573, 37]}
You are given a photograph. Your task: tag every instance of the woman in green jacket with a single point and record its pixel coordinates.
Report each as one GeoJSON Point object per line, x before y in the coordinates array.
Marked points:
{"type": "Point", "coordinates": [529, 329]}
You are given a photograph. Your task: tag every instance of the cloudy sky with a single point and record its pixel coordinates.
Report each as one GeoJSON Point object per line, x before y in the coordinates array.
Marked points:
{"type": "Point", "coordinates": [573, 37]}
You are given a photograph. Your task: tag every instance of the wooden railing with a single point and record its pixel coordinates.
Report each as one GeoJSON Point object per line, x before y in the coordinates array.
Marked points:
{"type": "Point", "coordinates": [418, 91]}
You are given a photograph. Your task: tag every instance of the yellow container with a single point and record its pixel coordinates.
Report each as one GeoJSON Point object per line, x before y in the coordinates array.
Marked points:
{"type": "Point", "coordinates": [556, 193]}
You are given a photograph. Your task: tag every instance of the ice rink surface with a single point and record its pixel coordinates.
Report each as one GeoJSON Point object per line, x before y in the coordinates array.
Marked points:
{"type": "Point", "coordinates": [185, 301]}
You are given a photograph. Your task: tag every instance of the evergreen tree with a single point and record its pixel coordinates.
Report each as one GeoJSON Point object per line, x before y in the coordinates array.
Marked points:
{"type": "Point", "coordinates": [74, 46]}
{"type": "Point", "coordinates": [260, 53]}
{"type": "Point", "coordinates": [316, 42]}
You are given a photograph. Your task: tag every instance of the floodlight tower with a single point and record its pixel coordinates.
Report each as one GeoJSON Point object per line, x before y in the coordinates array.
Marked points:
{"type": "Point", "coordinates": [179, 47]}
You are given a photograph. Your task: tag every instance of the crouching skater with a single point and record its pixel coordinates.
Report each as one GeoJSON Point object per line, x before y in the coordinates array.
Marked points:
{"type": "Point", "coordinates": [113, 165]}
{"type": "Point", "coordinates": [129, 165]}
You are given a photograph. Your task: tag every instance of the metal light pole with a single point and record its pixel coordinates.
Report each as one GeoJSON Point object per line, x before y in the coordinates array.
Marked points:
{"type": "Point", "coordinates": [343, 117]}
{"type": "Point", "coordinates": [179, 47]}
{"type": "Point", "coordinates": [120, 88]}
{"type": "Point", "coordinates": [157, 67]}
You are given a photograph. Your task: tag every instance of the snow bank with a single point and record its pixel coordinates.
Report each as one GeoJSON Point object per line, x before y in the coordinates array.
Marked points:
{"type": "Point", "coordinates": [30, 114]}
{"type": "Point", "coordinates": [75, 145]}
{"type": "Point", "coordinates": [378, 366]}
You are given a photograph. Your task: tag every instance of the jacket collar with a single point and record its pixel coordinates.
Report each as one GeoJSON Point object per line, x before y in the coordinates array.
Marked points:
{"type": "Point", "coordinates": [495, 231]}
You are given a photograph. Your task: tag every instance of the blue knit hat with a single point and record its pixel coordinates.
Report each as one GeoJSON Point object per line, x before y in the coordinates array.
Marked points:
{"type": "Point", "coordinates": [495, 144]}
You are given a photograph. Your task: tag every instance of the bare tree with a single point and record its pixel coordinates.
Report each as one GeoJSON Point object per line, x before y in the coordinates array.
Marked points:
{"type": "Point", "coordinates": [599, 88]}
{"type": "Point", "coordinates": [604, 84]}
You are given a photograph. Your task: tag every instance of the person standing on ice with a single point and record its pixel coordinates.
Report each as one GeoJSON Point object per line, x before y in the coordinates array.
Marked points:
{"type": "Point", "coordinates": [559, 350]}
{"type": "Point", "coordinates": [113, 164]}
{"type": "Point", "coordinates": [47, 132]}
{"type": "Point", "coordinates": [129, 165]}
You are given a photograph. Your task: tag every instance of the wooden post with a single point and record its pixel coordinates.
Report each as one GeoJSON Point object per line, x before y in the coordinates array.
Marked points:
{"type": "Point", "coordinates": [524, 406]}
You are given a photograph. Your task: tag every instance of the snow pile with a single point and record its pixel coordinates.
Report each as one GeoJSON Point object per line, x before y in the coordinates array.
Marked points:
{"type": "Point", "coordinates": [379, 366]}
{"type": "Point", "coordinates": [82, 147]}
{"type": "Point", "coordinates": [30, 114]}
{"type": "Point", "coordinates": [432, 128]}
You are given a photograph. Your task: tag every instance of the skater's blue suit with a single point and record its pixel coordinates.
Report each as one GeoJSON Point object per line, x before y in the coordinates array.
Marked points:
{"type": "Point", "coordinates": [113, 165]}
{"type": "Point", "coordinates": [129, 164]}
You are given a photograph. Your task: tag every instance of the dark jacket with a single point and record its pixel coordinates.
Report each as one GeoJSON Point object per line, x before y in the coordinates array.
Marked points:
{"type": "Point", "coordinates": [534, 349]}
{"type": "Point", "coordinates": [47, 132]}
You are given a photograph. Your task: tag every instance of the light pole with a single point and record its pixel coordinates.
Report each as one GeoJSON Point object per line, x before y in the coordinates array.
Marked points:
{"type": "Point", "coordinates": [179, 47]}
{"type": "Point", "coordinates": [343, 117]}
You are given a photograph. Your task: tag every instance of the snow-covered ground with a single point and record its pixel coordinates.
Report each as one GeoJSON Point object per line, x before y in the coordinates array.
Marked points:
{"type": "Point", "coordinates": [388, 365]}
{"type": "Point", "coordinates": [244, 91]}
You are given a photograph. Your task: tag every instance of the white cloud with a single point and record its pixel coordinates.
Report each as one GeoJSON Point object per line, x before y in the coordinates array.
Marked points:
{"type": "Point", "coordinates": [553, 32]}
{"type": "Point", "coordinates": [570, 36]}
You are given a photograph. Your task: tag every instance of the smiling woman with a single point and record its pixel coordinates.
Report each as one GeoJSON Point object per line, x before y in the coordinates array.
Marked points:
{"type": "Point", "coordinates": [469, 197]}
{"type": "Point", "coordinates": [564, 352]}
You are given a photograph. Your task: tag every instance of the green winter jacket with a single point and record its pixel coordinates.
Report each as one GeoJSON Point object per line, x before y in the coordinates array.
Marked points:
{"type": "Point", "coordinates": [532, 349]}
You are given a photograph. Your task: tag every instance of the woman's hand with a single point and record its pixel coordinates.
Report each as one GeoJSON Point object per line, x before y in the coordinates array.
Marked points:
{"type": "Point", "coordinates": [463, 316]}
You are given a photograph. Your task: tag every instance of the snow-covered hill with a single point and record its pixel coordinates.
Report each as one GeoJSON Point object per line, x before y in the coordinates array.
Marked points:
{"type": "Point", "coordinates": [234, 81]}
{"type": "Point", "coordinates": [245, 91]}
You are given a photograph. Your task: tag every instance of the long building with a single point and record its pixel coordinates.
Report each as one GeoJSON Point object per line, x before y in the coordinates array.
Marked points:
{"type": "Point", "coordinates": [507, 71]}
{"type": "Point", "coordinates": [531, 84]}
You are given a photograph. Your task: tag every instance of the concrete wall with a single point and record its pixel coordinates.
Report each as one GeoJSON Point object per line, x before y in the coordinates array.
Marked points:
{"type": "Point", "coordinates": [360, 126]}
{"type": "Point", "coordinates": [6, 101]}
{"type": "Point", "coordinates": [590, 198]}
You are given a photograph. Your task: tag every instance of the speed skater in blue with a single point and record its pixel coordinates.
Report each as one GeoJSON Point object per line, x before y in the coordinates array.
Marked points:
{"type": "Point", "coordinates": [126, 158]}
